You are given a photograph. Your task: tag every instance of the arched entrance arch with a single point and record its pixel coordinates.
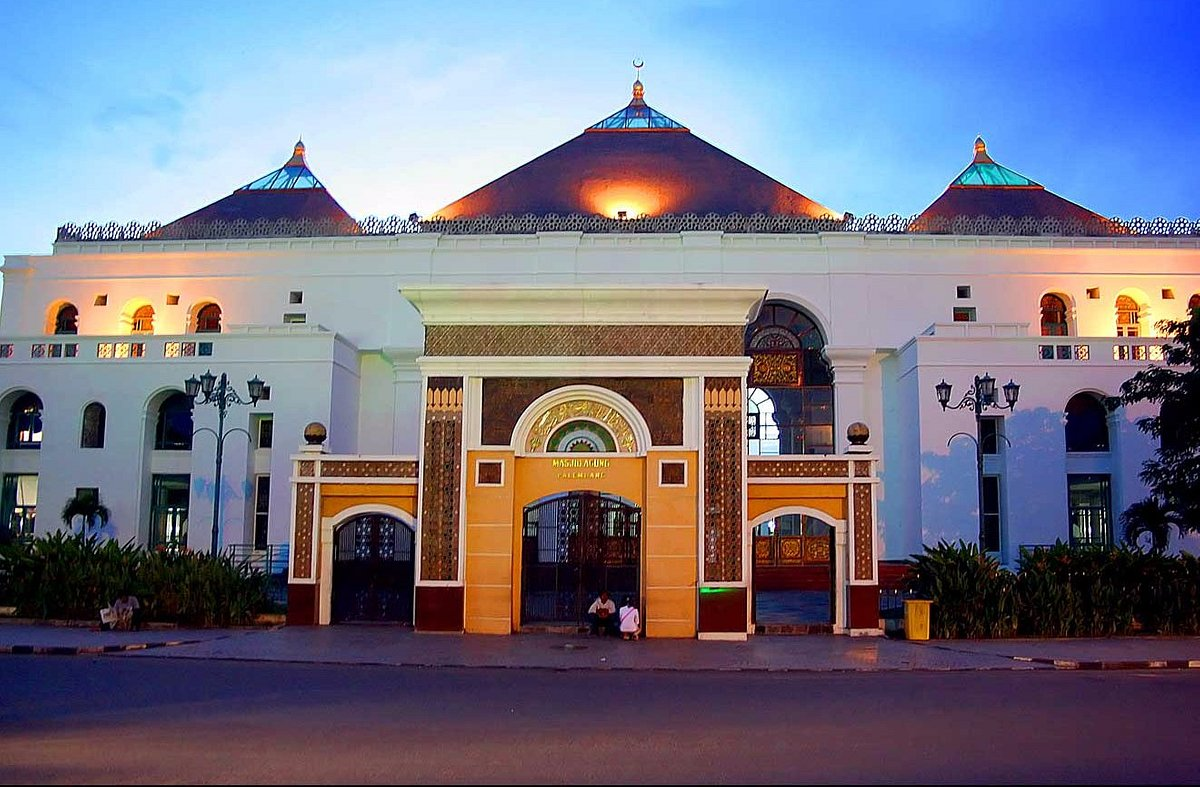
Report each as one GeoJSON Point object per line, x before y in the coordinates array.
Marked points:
{"type": "Point", "coordinates": [573, 545]}
{"type": "Point", "coordinates": [549, 419]}
{"type": "Point", "coordinates": [373, 568]}
{"type": "Point", "coordinates": [797, 563]}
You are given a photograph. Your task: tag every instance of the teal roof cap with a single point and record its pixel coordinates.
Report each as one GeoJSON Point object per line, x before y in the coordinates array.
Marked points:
{"type": "Point", "coordinates": [295, 174]}
{"type": "Point", "coordinates": [985, 172]}
{"type": "Point", "coordinates": [638, 116]}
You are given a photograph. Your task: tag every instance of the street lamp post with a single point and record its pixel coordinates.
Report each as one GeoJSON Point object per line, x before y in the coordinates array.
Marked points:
{"type": "Point", "coordinates": [982, 396]}
{"type": "Point", "coordinates": [218, 392]}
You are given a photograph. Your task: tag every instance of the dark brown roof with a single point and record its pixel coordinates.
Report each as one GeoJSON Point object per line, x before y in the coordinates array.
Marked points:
{"type": "Point", "coordinates": [640, 162]}
{"type": "Point", "coordinates": [986, 188]}
{"type": "Point", "coordinates": [291, 192]}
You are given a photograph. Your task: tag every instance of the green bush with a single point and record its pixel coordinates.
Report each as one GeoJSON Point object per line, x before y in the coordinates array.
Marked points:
{"type": "Point", "coordinates": [1057, 591]}
{"type": "Point", "coordinates": [68, 576]}
{"type": "Point", "coordinates": [972, 594]}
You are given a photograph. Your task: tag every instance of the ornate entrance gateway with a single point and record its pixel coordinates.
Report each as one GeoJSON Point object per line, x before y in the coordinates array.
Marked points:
{"type": "Point", "coordinates": [373, 570]}
{"type": "Point", "coordinates": [575, 545]}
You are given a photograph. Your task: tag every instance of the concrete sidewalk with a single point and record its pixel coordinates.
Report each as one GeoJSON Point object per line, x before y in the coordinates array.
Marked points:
{"type": "Point", "coordinates": [396, 646]}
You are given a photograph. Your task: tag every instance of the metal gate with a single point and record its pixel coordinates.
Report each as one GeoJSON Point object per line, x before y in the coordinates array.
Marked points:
{"type": "Point", "coordinates": [573, 546]}
{"type": "Point", "coordinates": [373, 570]}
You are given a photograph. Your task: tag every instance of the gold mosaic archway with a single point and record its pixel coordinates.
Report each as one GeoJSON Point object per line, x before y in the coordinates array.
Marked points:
{"type": "Point", "coordinates": [558, 414]}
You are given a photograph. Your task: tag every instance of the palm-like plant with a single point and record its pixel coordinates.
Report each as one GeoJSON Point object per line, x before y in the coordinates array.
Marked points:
{"type": "Point", "coordinates": [88, 507]}
{"type": "Point", "coordinates": [1148, 520]}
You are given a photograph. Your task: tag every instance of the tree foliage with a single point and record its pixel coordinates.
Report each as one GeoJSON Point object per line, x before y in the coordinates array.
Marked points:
{"type": "Point", "coordinates": [1173, 475]}
{"type": "Point", "coordinates": [89, 508]}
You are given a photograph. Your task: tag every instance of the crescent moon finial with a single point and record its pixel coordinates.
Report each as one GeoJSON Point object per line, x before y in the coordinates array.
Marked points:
{"type": "Point", "coordinates": [638, 63]}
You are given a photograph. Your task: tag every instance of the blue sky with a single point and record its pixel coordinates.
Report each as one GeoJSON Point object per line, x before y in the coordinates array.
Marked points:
{"type": "Point", "coordinates": [147, 111]}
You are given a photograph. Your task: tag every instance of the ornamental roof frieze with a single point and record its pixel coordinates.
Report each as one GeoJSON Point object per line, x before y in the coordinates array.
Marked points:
{"type": "Point", "coordinates": [394, 226]}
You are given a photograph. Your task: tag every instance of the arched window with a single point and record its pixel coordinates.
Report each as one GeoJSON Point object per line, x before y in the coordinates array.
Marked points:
{"type": "Point", "coordinates": [25, 422]}
{"type": "Point", "coordinates": [1128, 316]}
{"type": "Point", "coordinates": [761, 430]}
{"type": "Point", "coordinates": [1087, 424]}
{"type": "Point", "coordinates": [208, 319]}
{"type": "Point", "coordinates": [143, 320]}
{"type": "Point", "coordinates": [92, 433]}
{"type": "Point", "coordinates": [67, 319]}
{"type": "Point", "coordinates": [788, 366]}
{"type": "Point", "coordinates": [1054, 316]}
{"type": "Point", "coordinates": [1194, 302]}
{"type": "Point", "coordinates": [173, 429]}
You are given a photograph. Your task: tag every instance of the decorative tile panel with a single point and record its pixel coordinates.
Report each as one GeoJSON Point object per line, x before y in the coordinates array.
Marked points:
{"type": "Point", "coordinates": [723, 480]}
{"type": "Point", "coordinates": [864, 533]}
{"type": "Point", "coordinates": [302, 543]}
{"type": "Point", "coordinates": [862, 469]}
{"type": "Point", "coordinates": [658, 399]}
{"type": "Point", "coordinates": [549, 420]}
{"type": "Point", "coordinates": [368, 469]}
{"type": "Point", "coordinates": [796, 468]}
{"type": "Point", "coordinates": [441, 481]}
{"type": "Point", "coordinates": [575, 340]}
{"type": "Point", "coordinates": [307, 469]}
{"type": "Point", "coordinates": [775, 369]}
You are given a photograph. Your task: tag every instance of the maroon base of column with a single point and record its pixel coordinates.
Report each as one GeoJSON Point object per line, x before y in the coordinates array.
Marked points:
{"type": "Point", "coordinates": [439, 608]}
{"type": "Point", "coordinates": [722, 610]}
{"type": "Point", "coordinates": [302, 605]}
{"type": "Point", "coordinates": [864, 606]}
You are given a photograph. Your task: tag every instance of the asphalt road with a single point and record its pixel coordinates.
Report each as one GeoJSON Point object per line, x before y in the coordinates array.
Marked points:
{"type": "Point", "coordinates": [117, 719]}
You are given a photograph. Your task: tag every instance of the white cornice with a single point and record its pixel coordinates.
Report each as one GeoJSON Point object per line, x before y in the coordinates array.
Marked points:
{"type": "Point", "coordinates": [591, 366]}
{"type": "Point", "coordinates": [694, 304]}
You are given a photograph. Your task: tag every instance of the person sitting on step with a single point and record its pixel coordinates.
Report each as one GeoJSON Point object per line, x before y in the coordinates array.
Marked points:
{"type": "Point", "coordinates": [630, 619]}
{"type": "Point", "coordinates": [602, 615]}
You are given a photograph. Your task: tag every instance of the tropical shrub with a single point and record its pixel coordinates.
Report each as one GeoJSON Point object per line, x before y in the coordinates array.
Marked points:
{"type": "Point", "coordinates": [1057, 591]}
{"type": "Point", "coordinates": [973, 596]}
{"type": "Point", "coordinates": [71, 576]}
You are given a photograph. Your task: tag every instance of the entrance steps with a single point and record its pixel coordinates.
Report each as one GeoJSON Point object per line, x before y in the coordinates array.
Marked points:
{"type": "Point", "coordinates": [568, 629]}
{"type": "Point", "coordinates": [792, 629]}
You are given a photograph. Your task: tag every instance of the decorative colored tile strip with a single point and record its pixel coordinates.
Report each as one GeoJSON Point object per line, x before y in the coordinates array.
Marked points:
{"type": "Point", "coordinates": [368, 469]}
{"type": "Point", "coordinates": [302, 550]}
{"type": "Point", "coordinates": [575, 340]}
{"type": "Point", "coordinates": [442, 479]}
{"type": "Point", "coordinates": [796, 468]}
{"type": "Point", "coordinates": [307, 469]}
{"type": "Point", "coordinates": [864, 533]}
{"type": "Point", "coordinates": [723, 480]}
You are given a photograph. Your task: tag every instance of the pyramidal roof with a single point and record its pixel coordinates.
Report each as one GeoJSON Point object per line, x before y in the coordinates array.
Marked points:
{"type": "Point", "coordinates": [986, 188]}
{"type": "Point", "coordinates": [291, 192]}
{"type": "Point", "coordinates": [635, 162]}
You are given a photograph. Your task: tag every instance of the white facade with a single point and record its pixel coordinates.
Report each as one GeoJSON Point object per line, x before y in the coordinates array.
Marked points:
{"type": "Point", "coordinates": [885, 304]}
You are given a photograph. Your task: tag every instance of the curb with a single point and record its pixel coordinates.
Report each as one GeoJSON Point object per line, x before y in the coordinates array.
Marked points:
{"type": "Point", "coordinates": [68, 650]}
{"type": "Point", "coordinates": [1071, 664]}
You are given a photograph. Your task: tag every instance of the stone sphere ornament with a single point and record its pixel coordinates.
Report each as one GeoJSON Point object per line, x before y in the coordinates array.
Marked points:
{"type": "Point", "coordinates": [314, 433]}
{"type": "Point", "coordinates": [858, 433]}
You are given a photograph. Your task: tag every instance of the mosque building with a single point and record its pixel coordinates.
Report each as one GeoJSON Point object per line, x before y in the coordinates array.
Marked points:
{"type": "Point", "coordinates": [634, 363]}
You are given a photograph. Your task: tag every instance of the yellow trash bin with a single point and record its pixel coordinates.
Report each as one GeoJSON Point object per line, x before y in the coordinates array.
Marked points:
{"type": "Point", "coordinates": [916, 618]}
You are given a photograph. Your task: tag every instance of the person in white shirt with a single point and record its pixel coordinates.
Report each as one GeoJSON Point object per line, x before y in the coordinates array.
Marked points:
{"type": "Point", "coordinates": [602, 615]}
{"type": "Point", "coordinates": [630, 620]}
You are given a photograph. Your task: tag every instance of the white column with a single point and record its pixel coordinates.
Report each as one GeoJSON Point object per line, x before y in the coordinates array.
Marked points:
{"type": "Point", "coordinates": [849, 365]}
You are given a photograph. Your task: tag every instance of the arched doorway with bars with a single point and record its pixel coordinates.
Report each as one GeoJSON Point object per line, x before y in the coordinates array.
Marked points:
{"type": "Point", "coordinates": [574, 545]}
{"type": "Point", "coordinates": [373, 570]}
{"type": "Point", "coordinates": [795, 572]}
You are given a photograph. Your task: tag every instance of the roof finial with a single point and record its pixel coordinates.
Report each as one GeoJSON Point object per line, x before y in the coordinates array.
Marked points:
{"type": "Point", "coordinates": [638, 90]}
{"type": "Point", "coordinates": [981, 154]}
